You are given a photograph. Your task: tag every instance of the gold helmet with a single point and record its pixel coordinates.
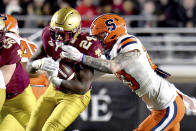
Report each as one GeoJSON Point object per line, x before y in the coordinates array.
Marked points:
{"type": "Point", "coordinates": [65, 25]}
{"type": "Point", "coordinates": [2, 31]}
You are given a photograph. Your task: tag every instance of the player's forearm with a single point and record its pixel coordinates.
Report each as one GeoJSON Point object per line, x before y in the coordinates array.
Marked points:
{"type": "Point", "coordinates": [98, 64]}
{"type": "Point", "coordinates": [75, 86]}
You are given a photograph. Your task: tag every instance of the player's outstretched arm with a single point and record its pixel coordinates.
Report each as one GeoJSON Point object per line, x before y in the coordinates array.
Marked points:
{"type": "Point", "coordinates": [111, 66]}
{"type": "Point", "coordinates": [103, 65]}
{"type": "Point", "coordinates": [81, 83]}
{"type": "Point", "coordinates": [107, 66]}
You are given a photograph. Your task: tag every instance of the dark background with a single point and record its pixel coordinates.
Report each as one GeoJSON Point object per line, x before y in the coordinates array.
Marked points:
{"type": "Point", "coordinates": [126, 107]}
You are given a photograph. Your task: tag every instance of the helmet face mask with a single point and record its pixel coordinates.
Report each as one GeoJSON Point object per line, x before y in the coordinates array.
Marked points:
{"type": "Point", "coordinates": [61, 36]}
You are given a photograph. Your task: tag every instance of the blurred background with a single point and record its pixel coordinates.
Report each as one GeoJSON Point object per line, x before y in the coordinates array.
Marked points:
{"type": "Point", "coordinates": [165, 27]}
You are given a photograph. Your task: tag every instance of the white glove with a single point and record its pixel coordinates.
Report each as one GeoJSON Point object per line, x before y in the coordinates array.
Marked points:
{"type": "Point", "coordinates": [56, 80]}
{"type": "Point", "coordinates": [71, 53]}
{"type": "Point", "coordinates": [47, 64]}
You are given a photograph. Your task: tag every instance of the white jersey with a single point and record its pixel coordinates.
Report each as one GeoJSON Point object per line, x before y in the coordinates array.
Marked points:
{"type": "Point", "coordinates": [155, 91]}
{"type": "Point", "coordinates": [28, 48]}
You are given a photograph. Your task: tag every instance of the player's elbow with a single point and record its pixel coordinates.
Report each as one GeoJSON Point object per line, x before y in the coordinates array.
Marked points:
{"type": "Point", "coordinates": [115, 67]}
{"type": "Point", "coordinates": [84, 88]}
{"type": "Point", "coordinates": [82, 91]}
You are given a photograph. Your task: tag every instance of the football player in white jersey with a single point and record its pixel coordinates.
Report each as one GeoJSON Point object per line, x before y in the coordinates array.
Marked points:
{"type": "Point", "coordinates": [129, 61]}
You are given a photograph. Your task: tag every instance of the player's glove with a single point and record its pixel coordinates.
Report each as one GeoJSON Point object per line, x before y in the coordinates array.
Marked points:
{"type": "Point", "coordinates": [55, 80]}
{"type": "Point", "coordinates": [46, 64]}
{"type": "Point", "coordinates": [72, 53]}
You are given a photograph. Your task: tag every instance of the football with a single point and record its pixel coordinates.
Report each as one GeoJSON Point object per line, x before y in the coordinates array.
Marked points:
{"type": "Point", "coordinates": [65, 71]}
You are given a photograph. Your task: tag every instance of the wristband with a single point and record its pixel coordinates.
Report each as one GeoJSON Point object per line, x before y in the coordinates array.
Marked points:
{"type": "Point", "coordinates": [83, 58]}
{"type": "Point", "coordinates": [2, 81]}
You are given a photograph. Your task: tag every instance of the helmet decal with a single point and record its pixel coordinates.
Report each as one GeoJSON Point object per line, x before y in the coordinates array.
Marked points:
{"type": "Point", "coordinates": [110, 24]}
{"type": "Point", "coordinates": [3, 17]}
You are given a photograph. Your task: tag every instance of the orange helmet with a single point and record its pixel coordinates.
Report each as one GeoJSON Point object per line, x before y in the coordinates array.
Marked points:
{"type": "Point", "coordinates": [10, 23]}
{"type": "Point", "coordinates": [108, 27]}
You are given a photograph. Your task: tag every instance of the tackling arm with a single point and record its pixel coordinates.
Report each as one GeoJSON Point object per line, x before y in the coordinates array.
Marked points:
{"type": "Point", "coordinates": [107, 66]}
{"type": "Point", "coordinates": [111, 66]}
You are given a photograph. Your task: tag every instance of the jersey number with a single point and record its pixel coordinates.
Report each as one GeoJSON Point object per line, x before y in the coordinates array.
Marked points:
{"type": "Point", "coordinates": [128, 79]}
{"type": "Point", "coordinates": [28, 49]}
{"type": "Point", "coordinates": [86, 43]}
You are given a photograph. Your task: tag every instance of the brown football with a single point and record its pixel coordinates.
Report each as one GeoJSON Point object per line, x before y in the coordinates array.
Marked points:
{"type": "Point", "coordinates": [65, 71]}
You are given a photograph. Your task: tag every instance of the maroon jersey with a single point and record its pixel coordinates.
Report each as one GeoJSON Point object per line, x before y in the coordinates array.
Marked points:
{"type": "Point", "coordinates": [84, 43]}
{"type": "Point", "coordinates": [10, 53]}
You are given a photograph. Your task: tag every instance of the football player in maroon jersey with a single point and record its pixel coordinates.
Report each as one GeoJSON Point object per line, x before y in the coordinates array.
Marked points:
{"type": "Point", "coordinates": [19, 96]}
{"type": "Point", "coordinates": [69, 92]}
{"type": "Point", "coordinates": [28, 48]}
{"type": "Point", "coordinates": [2, 80]}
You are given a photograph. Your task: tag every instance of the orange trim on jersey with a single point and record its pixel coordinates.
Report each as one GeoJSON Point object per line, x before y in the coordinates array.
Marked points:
{"type": "Point", "coordinates": [122, 75]}
{"type": "Point", "coordinates": [149, 59]}
{"type": "Point", "coordinates": [125, 42]}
